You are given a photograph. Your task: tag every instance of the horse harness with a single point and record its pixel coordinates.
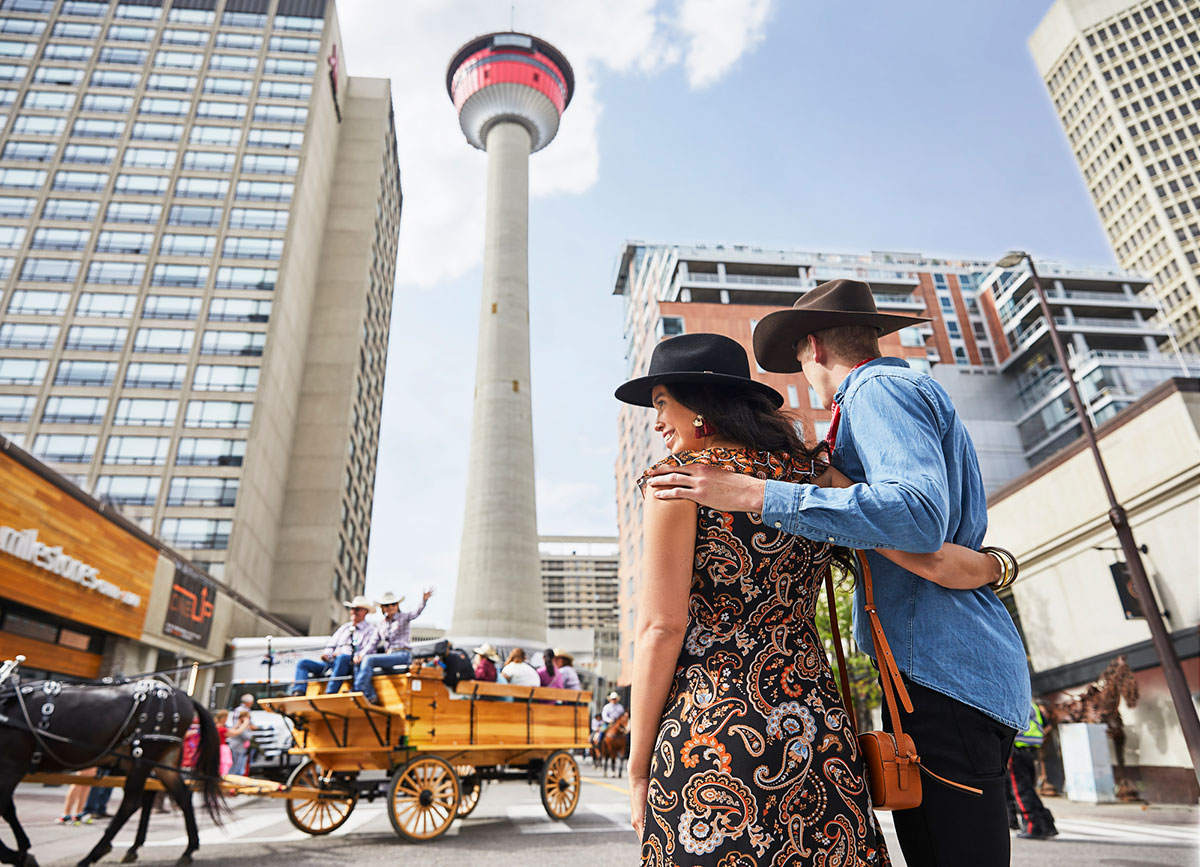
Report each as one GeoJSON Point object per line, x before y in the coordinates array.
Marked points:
{"type": "Point", "coordinates": [145, 692]}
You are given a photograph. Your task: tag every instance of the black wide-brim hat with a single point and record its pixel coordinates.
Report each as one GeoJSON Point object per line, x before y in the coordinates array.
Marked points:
{"type": "Point", "coordinates": [701, 358]}
{"type": "Point", "coordinates": [831, 305]}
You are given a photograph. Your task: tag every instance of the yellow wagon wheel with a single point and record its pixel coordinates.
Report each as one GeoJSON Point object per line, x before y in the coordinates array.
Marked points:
{"type": "Point", "coordinates": [470, 787]}
{"type": "Point", "coordinates": [320, 814]}
{"type": "Point", "coordinates": [423, 798]}
{"type": "Point", "coordinates": [560, 785]}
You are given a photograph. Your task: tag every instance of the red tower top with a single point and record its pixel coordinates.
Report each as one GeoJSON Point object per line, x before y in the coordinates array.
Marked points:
{"type": "Point", "coordinates": [513, 77]}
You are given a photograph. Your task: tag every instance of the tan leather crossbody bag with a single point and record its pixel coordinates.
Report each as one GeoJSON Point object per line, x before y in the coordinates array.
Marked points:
{"type": "Point", "coordinates": [893, 767]}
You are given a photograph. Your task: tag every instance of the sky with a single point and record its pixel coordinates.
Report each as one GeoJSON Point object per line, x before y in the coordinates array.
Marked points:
{"type": "Point", "coordinates": [806, 124]}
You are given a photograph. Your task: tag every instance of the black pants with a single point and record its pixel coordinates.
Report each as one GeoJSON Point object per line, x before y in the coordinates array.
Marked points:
{"type": "Point", "coordinates": [953, 828]}
{"type": "Point", "coordinates": [1033, 815]}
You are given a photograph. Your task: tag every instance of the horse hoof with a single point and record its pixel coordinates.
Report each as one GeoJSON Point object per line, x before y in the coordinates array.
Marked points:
{"type": "Point", "coordinates": [29, 860]}
{"type": "Point", "coordinates": [129, 857]}
{"type": "Point", "coordinates": [184, 859]}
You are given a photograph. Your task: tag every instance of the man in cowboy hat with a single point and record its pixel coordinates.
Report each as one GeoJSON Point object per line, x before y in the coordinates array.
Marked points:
{"type": "Point", "coordinates": [565, 675]}
{"type": "Point", "coordinates": [337, 660]}
{"type": "Point", "coordinates": [915, 484]}
{"type": "Point", "coordinates": [609, 714]}
{"type": "Point", "coordinates": [390, 646]}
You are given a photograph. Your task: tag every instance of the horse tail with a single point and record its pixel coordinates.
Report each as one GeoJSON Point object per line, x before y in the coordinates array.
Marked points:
{"type": "Point", "coordinates": [208, 764]}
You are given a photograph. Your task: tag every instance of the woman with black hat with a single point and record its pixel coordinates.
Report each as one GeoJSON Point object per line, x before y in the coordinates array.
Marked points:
{"type": "Point", "coordinates": [741, 753]}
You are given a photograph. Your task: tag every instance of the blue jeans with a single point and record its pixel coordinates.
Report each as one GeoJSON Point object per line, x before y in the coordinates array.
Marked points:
{"type": "Point", "coordinates": [307, 669]}
{"type": "Point", "coordinates": [362, 678]}
{"type": "Point", "coordinates": [97, 800]}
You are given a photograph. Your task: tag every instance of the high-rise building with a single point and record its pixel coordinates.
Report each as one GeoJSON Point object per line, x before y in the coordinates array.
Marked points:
{"type": "Point", "coordinates": [199, 212]}
{"type": "Point", "coordinates": [1125, 81]}
{"type": "Point", "coordinates": [579, 578]}
{"type": "Point", "coordinates": [510, 91]}
{"type": "Point", "coordinates": [986, 343]}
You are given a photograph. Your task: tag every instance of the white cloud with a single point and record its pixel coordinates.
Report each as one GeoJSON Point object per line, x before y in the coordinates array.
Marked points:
{"type": "Point", "coordinates": [719, 33]}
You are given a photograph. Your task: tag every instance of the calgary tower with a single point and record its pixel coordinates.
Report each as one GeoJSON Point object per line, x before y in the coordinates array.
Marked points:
{"type": "Point", "coordinates": [510, 90]}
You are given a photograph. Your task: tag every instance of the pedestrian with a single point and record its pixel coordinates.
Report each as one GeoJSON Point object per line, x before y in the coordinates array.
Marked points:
{"type": "Point", "coordinates": [485, 663]}
{"type": "Point", "coordinates": [565, 676]}
{"type": "Point", "coordinates": [240, 736]}
{"type": "Point", "coordinates": [519, 672]}
{"type": "Point", "coordinates": [546, 672]}
{"type": "Point", "coordinates": [337, 660]}
{"type": "Point", "coordinates": [456, 663]}
{"type": "Point", "coordinates": [226, 759]}
{"type": "Point", "coordinates": [1036, 821]}
{"type": "Point", "coordinates": [390, 647]}
{"type": "Point", "coordinates": [73, 803]}
{"type": "Point", "coordinates": [916, 486]}
{"type": "Point", "coordinates": [96, 806]}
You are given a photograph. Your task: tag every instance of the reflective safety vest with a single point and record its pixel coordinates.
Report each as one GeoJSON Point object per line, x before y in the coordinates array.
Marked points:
{"type": "Point", "coordinates": [1033, 736]}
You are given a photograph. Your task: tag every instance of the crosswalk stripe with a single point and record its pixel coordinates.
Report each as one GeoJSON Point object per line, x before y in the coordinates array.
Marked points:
{"type": "Point", "coordinates": [1168, 832]}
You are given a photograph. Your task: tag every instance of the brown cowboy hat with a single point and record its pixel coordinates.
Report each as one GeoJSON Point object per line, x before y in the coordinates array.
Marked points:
{"type": "Point", "coordinates": [830, 305]}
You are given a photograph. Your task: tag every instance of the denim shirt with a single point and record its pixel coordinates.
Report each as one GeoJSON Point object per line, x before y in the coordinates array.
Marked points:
{"type": "Point", "coordinates": [900, 434]}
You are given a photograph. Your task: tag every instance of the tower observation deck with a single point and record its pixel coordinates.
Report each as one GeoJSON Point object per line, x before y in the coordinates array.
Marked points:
{"type": "Point", "coordinates": [510, 90]}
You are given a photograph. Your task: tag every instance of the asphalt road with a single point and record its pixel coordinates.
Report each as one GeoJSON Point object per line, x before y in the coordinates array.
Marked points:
{"type": "Point", "coordinates": [510, 828]}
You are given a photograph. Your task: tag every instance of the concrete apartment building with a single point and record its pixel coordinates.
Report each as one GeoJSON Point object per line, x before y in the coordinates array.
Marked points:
{"type": "Point", "coordinates": [200, 210]}
{"type": "Point", "coordinates": [1125, 81]}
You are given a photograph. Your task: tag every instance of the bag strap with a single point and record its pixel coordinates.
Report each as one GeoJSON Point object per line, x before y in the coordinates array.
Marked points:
{"type": "Point", "coordinates": [847, 701]}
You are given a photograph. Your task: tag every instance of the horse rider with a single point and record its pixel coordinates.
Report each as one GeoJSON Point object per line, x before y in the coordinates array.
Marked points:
{"type": "Point", "coordinates": [337, 660]}
{"type": "Point", "coordinates": [609, 714]}
{"type": "Point", "coordinates": [394, 635]}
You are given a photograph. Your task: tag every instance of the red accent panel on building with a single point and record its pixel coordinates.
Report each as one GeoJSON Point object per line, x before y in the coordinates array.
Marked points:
{"type": "Point", "coordinates": [941, 339]}
{"type": "Point", "coordinates": [990, 315]}
{"type": "Point", "coordinates": [468, 82]}
{"type": "Point", "coordinates": [964, 320]}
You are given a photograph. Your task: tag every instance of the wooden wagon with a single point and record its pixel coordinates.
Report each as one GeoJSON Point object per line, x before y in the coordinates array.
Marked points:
{"type": "Point", "coordinates": [436, 745]}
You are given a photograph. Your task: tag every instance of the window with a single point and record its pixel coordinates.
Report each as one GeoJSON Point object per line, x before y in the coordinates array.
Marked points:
{"type": "Point", "coordinates": [166, 340]}
{"type": "Point", "coordinates": [73, 30]}
{"type": "Point", "coordinates": [960, 356]}
{"type": "Point", "coordinates": [294, 45]}
{"type": "Point", "coordinates": [252, 248]}
{"type": "Point", "coordinates": [239, 310]}
{"type": "Point", "coordinates": [911, 337]}
{"type": "Point", "coordinates": [177, 59]}
{"type": "Point", "coordinates": [107, 102]}
{"type": "Point", "coordinates": [264, 191]}
{"type": "Point", "coordinates": [239, 41]}
{"type": "Point", "coordinates": [195, 452]}
{"type": "Point", "coordinates": [171, 83]}
{"type": "Point", "coordinates": [80, 182]}
{"type": "Point", "coordinates": [233, 62]}
{"type": "Point", "coordinates": [23, 371]}
{"type": "Point", "coordinates": [284, 90]}
{"type": "Point", "coordinates": [170, 307]}
{"type": "Point", "coordinates": [132, 212]}
{"type": "Point", "coordinates": [85, 373]}
{"type": "Point", "coordinates": [194, 215]}
{"type": "Point", "coordinates": [14, 49]}
{"type": "Point", "coordinates": [22, 178]}
{"type": "Point", "coordinates": [50, 270]}
{"type": "Point", "coordinates": [191, 16]}
{"type": "Point", "coordinates": [16, 72]}
{"type": "Point", "coordinates": [128, 490]}
{"type": "Point", "coordinates": [111, 78]}
{"type": "Point", "coordinates": [65, 448]}
{"type": "Point", "coordinates": [208, 161]}
{"type": "Point", "coordinates": [15, 207]}
{"type": "Point", "coordinates": [48, 100]}
{"type": "Point", "coordinates": [15, 407]}
{"type": "Point", "coordinates": [130, 56]}
{"type": "Point", "coordinates": [202, 491]}
{"type": "Point", "coordinates": [67, 52]}
{"type": "Point", "coordinates": [220, 110]}
{"type": "Point", "coordinates": [162, 105]}
{"type": "Point", "coordinates": [140, 451]}
{"type": "Point", "coordinates": [144, 13]}
{"type": "Point", "coordinates": [258, 218]}
{"type": "Point", "coordinates": [28, 124]}
{"type": "Point", "coordinates": [221, 136]}
{"type": "Point", "coordinates": [29, 151]}
{"type": "Point", "coordinates": [280, 114]}
{"type": "Point", "coordinates": [25, 26]}
{"type": "Point", "coordinates": [814, 400]}
{"type": "Point", "coordinates": [96, 338]}
{"type": "Point", "coordinates": [11, 237]}
{"type": "Point", "coordinates": [142, 374]}
{"type": "Point", "coordinates": [124, 242]}
{"type": "Point", "coordinates": [227, 86]}
{"type": "Point", "coordinates": [141, 185]}
{"type": "Point", "coordinates": [192, 533]}
{"type": "Point", "coordinates": [233, 342]}
{"type": "Point", "coordinates": [952, 329]}
{"type": "Point", "coordinates": [149, 158]}
{"type": "Point", "coordinates": [146, 412]}
{"type": "Point", "coordinates": [60, 239]}
{"type": "Point", "coordinates": [90, 8]}
{"type": "Point", "coordinates": [175, 36]}
{"type": "Point", "coordinates": [275, 138]}
{"type": "Point", "coordinates": [269, 164]}
{"type": "Point", "coordinates": [116, 273]}
{"type": "Point", "coordinates": [793, 396]}
{"type": "Point", "coordinates": [245, 19]}
{"type": "Point", "coordinates": [93, 154]}
{"type": "Point", "coordinates": [110, 305]}
{"type": "Point", "coordinates": [6, 267]}
{"type": "Point", "coordinates": [218, 414]}
{"type": "Point", "coordinates": [38, 302]}
{"type": "Point", "coordinates": [7, 97]}
{"type": "Point", "coordinates": [192, 276]}
{"type": "Point", "coordinates": [299, 22]}
{"type": "Point", "coordinates": [986, 356]}
{"type": "Point", "coordinates": [157, 131]}
{"type": "Point", "coordinates": [247, 278]}
{"type": "Point", "coordinates": [187, 245]}
{"type": "Point", "coordinates": [74, 410]}
{"type": "Point", "coordinates": [202, 188]}
{"type": "Point", "coordinates": [946, 304]}
{"type": "Point", "coordinates": [90, 127]}
{"type": "Point", "coordinates": [126, 33]}
{"type": "Point", "coordinates": [921, 365]}
{"type": "Point", "coordinates": [224, 377]}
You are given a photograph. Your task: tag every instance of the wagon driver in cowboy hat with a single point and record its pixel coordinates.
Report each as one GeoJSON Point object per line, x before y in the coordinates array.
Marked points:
{"type": "Point", "coordinates": [609, 715]}
{"type": "Point", "coordinates": [392, 639]}
{"type": "Point", "coordinates": [337, 660]}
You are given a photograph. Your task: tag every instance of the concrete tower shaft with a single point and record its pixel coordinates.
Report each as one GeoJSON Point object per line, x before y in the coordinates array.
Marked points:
{"type": "Point", "coordinates": [510, 90]}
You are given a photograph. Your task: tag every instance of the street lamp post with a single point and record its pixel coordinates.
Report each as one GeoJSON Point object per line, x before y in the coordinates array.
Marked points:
{"type": "Point", "coordinates": [1172, 671]}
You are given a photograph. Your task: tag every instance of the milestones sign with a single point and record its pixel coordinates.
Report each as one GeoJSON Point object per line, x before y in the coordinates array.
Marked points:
{"type": "Point", "coordinates": [191, 607]}
{"type": "Point", "coordinates": [24, 545]}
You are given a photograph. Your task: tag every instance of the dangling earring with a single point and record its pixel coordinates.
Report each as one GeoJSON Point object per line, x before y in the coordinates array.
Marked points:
{"type": "Point", "coordinates": [702, 427]}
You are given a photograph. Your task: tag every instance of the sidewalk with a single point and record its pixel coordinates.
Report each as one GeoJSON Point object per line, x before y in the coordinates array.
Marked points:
{"type": "Point", "coordinates": [1182, 815]}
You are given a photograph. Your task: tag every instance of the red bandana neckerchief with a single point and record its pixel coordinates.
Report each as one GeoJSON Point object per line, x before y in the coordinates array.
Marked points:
{"type": "Point", "coordinates": [836, 418]}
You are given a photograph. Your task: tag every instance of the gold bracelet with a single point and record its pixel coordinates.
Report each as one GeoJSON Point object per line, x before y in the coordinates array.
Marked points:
{"type": "Point", "coordinates": [1009, 568]}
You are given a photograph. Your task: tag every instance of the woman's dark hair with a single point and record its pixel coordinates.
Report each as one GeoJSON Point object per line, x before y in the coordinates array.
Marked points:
{"type": "Point", "coordinates": [548, 660]}
{"type": "Point", "coordinates": [746, 417]}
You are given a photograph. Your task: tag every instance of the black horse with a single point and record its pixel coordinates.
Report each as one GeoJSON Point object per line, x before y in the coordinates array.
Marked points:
{"type": "Point", "coordinates": [133, 728]}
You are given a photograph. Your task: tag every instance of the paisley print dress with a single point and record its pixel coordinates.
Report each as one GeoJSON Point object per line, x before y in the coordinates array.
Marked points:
{"type": "Point", "coordinates": [755, 764]}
